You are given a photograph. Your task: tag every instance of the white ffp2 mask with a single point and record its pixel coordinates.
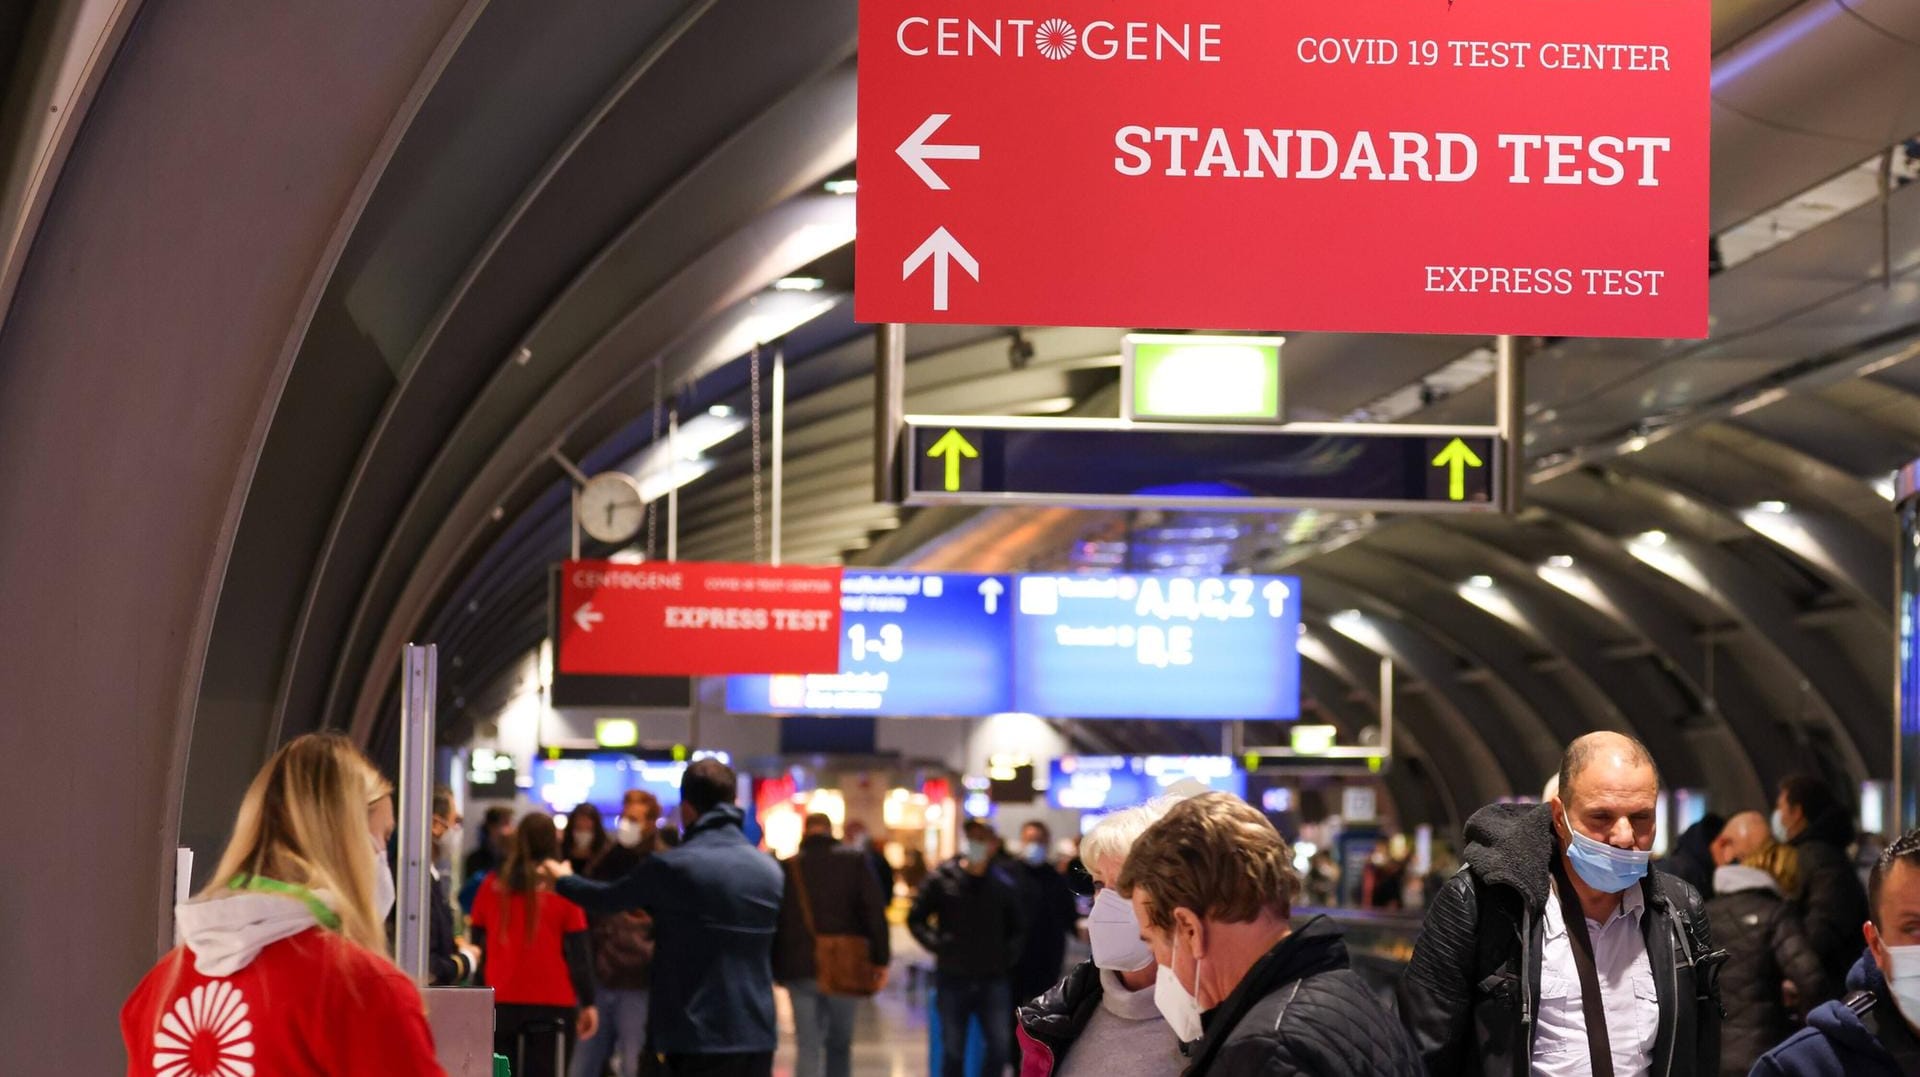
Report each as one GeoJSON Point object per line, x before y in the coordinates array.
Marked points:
{"type": "Point", "coordinates": [1176, 1003]}
{"type": "Point", "coordinates": [1115, 934]}
{"type": "Point", "coordinates": [1904, 980]}
{"type": "Point", "coordinates": [382, 883]}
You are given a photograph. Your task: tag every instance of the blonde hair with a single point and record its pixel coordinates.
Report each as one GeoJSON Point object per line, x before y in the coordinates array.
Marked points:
{"type": "Point", "coordinates": [304, 822]}
{"type": "Point", "coordinates": [1780, 861]}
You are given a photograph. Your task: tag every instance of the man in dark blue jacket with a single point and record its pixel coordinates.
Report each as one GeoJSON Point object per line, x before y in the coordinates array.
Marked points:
{"type": "Point", "coordinates": [1873, 1031]}
{"type": "Point", "coordinates": [715, 903]}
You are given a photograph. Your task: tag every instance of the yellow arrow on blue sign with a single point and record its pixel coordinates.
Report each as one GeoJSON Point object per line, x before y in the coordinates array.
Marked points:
{"type": "Point", "coordinates": [1457, 458]}
{"type": "Point", "coordinates": [955, 448]}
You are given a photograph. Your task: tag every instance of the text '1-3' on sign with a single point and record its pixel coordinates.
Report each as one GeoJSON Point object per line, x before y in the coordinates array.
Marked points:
{"type": "Point", "coordinates": [1534, 167]}
{"type": "Point", "coordinates": [1121, 646]}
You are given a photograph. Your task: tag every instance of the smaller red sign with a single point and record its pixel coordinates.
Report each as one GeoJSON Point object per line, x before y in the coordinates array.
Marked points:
{"type": "Point", "coordinates": [698, 619]}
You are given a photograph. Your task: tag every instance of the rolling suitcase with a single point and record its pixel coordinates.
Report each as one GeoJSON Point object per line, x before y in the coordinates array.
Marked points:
{"type": "Point", "coordinates": [526, 1042]}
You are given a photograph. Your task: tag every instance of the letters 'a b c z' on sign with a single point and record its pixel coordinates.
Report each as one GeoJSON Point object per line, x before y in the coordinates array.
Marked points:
{"type": "Point", "coordinates": [691, 618]}
{"type": "Point", "coordinates": [1455, 166]}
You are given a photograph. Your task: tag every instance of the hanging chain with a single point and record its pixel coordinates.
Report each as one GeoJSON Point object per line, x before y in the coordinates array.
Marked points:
{"type": "Point", "coordinates": [653, 507]}
{"type": "Point", "coordinates": [753, 407]}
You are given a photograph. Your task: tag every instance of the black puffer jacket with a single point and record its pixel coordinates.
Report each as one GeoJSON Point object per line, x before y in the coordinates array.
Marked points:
{"type": "Point", "coordinates": [1301, 1011]}
{"type": "Point", "coordinates": [973, 925]}
{"type": "Point", "coordinates": [1763, 935]}
{"type": "Point", "coordinates": [1831, 903]}
{"type": "Point", "coordinates": [1692, 857]}
{"type": "Point", "coordinates": [1049, 1024]}
{"type": "Point", "coordinates": [1470, 993]}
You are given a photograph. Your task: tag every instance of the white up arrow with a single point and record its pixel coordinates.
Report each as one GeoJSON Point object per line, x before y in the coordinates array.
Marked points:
{"type": "Point", "coordinates": [991, 590]}
{"type": "Point", "coordinates": [941, 247]}
{"type": "Point", "coordinates": [917, 153]}
{"type": "Point", "coordinates": [586, 617]}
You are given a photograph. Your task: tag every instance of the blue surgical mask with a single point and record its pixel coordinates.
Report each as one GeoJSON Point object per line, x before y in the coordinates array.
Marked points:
{"type": "Point", "coordinates": [1603, 867]}
{"type": "Point", "coordinates": [1035, 854]}
{"type": "Point", "coordinates": [977, 852]}
{"type": "Point", "coordinates": [1780, 828]}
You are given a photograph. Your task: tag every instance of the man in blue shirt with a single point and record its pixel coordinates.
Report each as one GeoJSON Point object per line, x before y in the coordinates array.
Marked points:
{"type": "Point", "coordinates": [715, 903]}
{"type": "Point", "coordinates": [1875, 1030]}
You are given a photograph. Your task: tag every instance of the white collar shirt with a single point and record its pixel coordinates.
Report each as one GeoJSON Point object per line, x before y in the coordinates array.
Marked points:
{"type": "Point", "coordinates": [1626, 987]}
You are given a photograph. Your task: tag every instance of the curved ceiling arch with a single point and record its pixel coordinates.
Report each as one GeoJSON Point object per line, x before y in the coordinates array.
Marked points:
{"type": "Point", "coordinates": [1423, 602]}
{"type": "Point", "coordinates": [1767, 613]}
{"type": "Point", "coordinates": [1460, 761]}
{"type": "Point", "coordinates": [1656, 717]}
{"type": "Point", "coordinates": [1420, 798]}
{"type": "Point", "coordinates": [1521, 748]}
{"type": "Point", "coordinates": [1827, 545]}
{"type": "Point", "coordinates": [1691, 647]}
{"type": "Point", "coordinates": [1501, 644]}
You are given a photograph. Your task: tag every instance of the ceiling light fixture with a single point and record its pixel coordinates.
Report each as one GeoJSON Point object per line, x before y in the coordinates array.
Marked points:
{"type": "Point", "coordinates": [843, 186]}
{"type": "Point", "coordinates": [1772, 508]}
{"type": "Point", "coordinates": [799, 284]}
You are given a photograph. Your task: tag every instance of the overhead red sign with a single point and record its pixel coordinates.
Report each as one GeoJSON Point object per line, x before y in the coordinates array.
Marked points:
{"type": "Point", "coordinates": [697, 619]}
{"type": "Point", "coordinates": [1534, 167]}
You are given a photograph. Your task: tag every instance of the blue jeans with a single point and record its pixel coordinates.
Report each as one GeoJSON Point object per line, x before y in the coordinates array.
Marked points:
{"type": "Point", "coordinates": [962, 998]}
{"type": "Point", "coordinates": [823, 1025]}
{"type": "Point", "coordinates": [623, 1026]}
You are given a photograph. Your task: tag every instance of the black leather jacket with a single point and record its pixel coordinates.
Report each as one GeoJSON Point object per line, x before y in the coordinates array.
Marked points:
{"type": "Point", "coordinates": [1301, 1012]}
{"type": "Point", "coordinates": [1471, 992]}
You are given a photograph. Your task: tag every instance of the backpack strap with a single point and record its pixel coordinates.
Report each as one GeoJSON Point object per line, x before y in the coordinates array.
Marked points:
{"type": "Point", "coordinates": [806, 900]}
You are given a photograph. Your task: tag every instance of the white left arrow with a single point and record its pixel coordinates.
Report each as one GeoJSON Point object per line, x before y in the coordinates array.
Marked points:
{"type": "Point", "coordinates": [916, 153]}
{"type": "Point", "coordinates": [941, 248]}
{"type": "Point", "coordinates": [586, 617]}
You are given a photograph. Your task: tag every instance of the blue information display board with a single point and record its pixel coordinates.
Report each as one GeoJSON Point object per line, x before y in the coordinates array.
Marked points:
{"type": "Point", "coordinates": [1219, 647]}
{"type": "Point", "coordinates": [1066, 646]}
{"type": "Point", "coordinates": [1102, 783]}
{"type": "Point", "coordinates": [912, 645]}
{"type": "Point", "coordinates": [603, 780]}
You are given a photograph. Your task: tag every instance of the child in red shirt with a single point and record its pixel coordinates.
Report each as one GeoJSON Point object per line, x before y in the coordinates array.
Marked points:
{"type": "Point", "coordinates": [538, 956]}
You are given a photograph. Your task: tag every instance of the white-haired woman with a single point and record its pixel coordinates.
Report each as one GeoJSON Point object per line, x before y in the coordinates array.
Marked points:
{"type": "Point", "coordinates": [284, 966]}
{"type": "Point", "coordinates": [1101, 1020]}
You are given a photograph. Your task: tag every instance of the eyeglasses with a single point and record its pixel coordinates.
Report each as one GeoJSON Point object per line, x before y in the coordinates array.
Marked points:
{"type": "Point", "coordinates": [1080, 880]}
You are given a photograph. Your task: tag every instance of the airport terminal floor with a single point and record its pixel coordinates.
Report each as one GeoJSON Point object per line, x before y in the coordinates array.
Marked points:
{"type": "Point", "coordinates": [836, 538]}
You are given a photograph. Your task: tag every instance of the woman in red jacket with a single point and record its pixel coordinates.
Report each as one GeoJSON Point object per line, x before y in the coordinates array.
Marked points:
{"type": "Point", "coordinates": [283, 968]}
{"type": "Point", "coordinates": [539, 960]}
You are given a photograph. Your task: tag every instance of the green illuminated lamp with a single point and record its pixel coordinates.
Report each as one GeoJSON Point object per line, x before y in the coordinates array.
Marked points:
{"type": "Point", "coordinates": [616, 732]}
{"type": "Point", "coordinates": [1313, 739]}
{"type": "Point", "coordinates": [1186, 378]}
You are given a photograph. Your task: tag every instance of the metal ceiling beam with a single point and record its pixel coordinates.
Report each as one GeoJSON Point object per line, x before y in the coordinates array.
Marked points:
{"type": "Point", "coordinates": [1644, 713]}
{"type": "Point", "coordinates": [1456, 757]}
{"type": "Point", "coordinates": [1596, 697]}
{"type": "Point", "coordinates": [1613, 585]}
{"type": "Point", "coordinates": [1466, 630]}
{"type": "Point", "coordinates": [1715, 573]}
{"type": "Point", "coordinates": [1419, 797]}
{"type": "Point", "coordinates": [1522, 750]}
{"type": "Point", "coordinates": [1831, 547]}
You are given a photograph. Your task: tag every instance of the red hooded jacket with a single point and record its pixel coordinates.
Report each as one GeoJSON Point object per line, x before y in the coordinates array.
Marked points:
{"type": "Point", "coordinates": [309, 1005]}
